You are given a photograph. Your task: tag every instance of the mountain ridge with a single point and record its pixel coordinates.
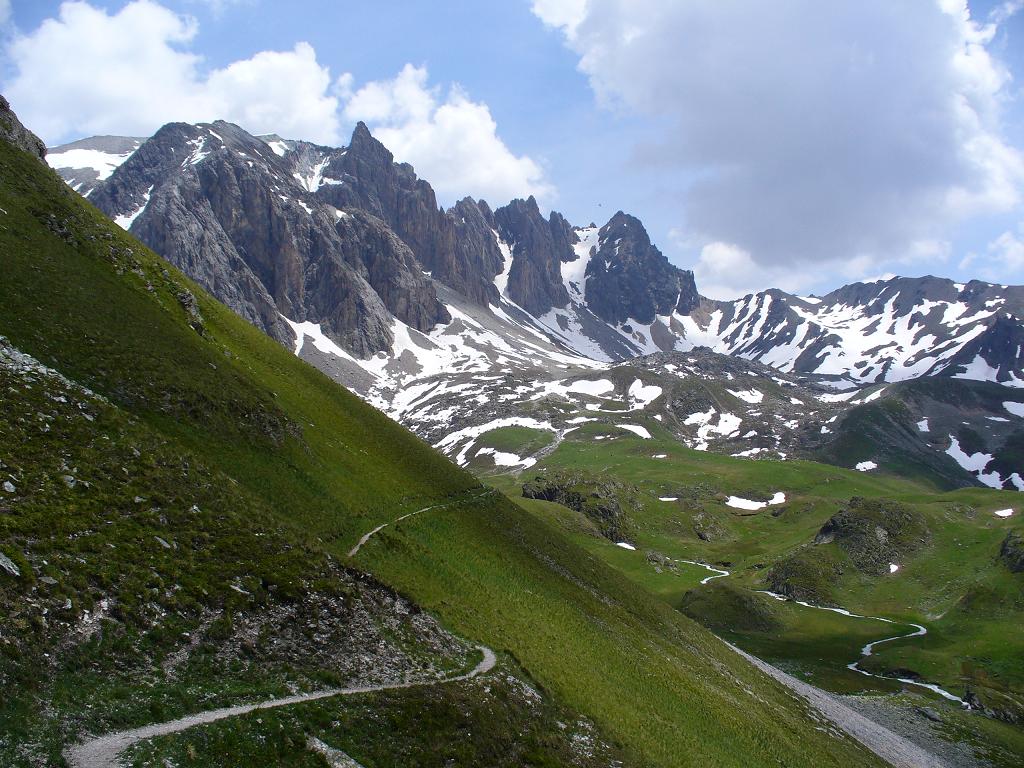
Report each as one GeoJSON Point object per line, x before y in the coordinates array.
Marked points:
{"type": "Point", "coordinates": [344, 255]}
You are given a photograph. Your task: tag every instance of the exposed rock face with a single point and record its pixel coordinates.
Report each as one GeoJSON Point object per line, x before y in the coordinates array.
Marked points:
{"type": "Point", "coordinates": [244, 222]}
{"type": "Point", "coordinates": [629, 279]}
{"type": "Point", "coordinates": [13, 132]}
{"type": "Point", "coordinates": [604, 292]}
{"type": "Point", "coordinates": [539, 246]}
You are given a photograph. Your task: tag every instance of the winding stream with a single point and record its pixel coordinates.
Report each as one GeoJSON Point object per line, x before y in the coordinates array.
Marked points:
{"type": "Point", "coordinates": [718, 572]}
{"type": "Point", "coordinates": [868, 650]}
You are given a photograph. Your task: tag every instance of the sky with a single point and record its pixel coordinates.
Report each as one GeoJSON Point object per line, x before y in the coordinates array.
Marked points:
{"type": "Point", "coordinates": [793, 144]}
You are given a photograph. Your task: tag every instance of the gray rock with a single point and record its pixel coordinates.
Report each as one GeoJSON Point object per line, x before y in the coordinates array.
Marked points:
{"type": "Point", "coordinates": [539, 248]}
{"type": "Point", "coordinates": [242, 221]}
{"type": "Point", "coordinates": [8, 565]}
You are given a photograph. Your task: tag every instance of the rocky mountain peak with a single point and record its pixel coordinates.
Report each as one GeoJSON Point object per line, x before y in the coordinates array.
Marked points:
{"type": "Point", "coordinates": [630, 279]}
{"type": "Point", "coordinates": [539, 246]}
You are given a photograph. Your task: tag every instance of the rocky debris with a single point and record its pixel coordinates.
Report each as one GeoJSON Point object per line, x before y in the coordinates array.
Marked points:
{"type": "Point", "coordinates": [998, 705]}
{"type": "Point", "coordinates": [603, 500]}
{"type": "Point", "coordinates": [630, 279]}
{"type": "Point", "coordinates": [706, 526]}
{"type": "Point", "coordinates": [13, 132]}
{"type": "Point", "coordinates": [1011, 552]}
{"type": "Point", "coordinates": [875, 533]}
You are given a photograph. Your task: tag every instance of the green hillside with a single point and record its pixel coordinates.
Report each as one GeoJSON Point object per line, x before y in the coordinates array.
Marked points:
{"type": "Point", "coordinates": [830, 542]}
{"type": "Point", "coordinates": [179, 497]}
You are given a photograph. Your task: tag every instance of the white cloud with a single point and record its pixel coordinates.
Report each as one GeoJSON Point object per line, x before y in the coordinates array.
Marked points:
{"type": "Point", "coordinates": [5, 11]}
{"type": "Point", "coordinates": [88, 72]}
{"type": "Point", "coordinates": [816, 132]}
{"type": "Point", "coordinates": [725, 271]}
{"type": "Point", "coordinates": [450, 139]}
{"type": "Point", "coordinates": [1008, 249]}
{"type": "Point", "coordinates": [562, 14]}
{"type": "Point", "coordinates": [91, 72]}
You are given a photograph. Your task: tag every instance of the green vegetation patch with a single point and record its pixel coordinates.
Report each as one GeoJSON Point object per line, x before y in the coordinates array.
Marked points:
{"type": "Point", "coordinates": [809, 574]}
{"type": "Point", "coordinates": [725, 607]}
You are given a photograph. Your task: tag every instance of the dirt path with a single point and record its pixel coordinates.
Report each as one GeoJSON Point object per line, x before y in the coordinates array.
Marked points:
{"type": "Point", "coordinates": [105, 751]}
{"type": "Point", "coordinates": [891, 747]}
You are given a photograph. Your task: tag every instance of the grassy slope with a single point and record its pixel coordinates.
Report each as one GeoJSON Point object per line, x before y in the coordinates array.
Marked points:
{"type": "Point", "coordinates": [326, 468]}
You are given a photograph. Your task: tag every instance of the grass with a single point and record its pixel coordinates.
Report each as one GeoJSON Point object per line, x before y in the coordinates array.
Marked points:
{"type": "Point", "coordinates": [287, 470]}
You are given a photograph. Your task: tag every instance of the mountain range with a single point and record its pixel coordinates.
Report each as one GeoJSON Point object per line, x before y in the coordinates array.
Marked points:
{"type": "Point", "coordinates": [344, 255]}
{"type": "Point", "coordinates": [195, 523]}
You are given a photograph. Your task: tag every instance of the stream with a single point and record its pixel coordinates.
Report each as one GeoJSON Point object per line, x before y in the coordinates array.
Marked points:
{"type": "Point", "coordinates": [868, 650]}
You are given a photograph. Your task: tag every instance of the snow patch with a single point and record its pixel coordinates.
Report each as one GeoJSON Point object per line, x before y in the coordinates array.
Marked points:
{"type": "Point", "coordinates": [636, 430]}
{"type": "Point", "coordinates": [125, 221]}
{"type": "Point", "coordinates": [738, 502]}
{"type": "Point", "coordinates": [749, 395]}
{"type": "Point", "coordinates": [641, 395]}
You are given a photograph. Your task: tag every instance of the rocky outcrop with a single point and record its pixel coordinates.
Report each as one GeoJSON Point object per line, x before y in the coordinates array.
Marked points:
{"type": "Point", "coordinates": [539, 246]}
{"type": "Point", "coordinates": [13, 132]}
{"type": "Point", "coordinates": [1011, 552]}
{"type": "Point", "coordinates": [630, 279]}
{"type": "Point", "coordinates": [604, 501]}
{"type": "Point", "coordinates": [875, 533]}
{"type": "Point", "coordinates": [457, 247]}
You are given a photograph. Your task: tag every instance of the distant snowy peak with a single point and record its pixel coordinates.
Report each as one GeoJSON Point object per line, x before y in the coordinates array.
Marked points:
{"type": "Point", "coordinates": [890, 330]}
{"type": "Point", "coordinates": [85, 163]}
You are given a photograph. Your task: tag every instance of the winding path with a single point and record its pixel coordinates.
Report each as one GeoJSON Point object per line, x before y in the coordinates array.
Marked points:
{"type": "Point", "coordinates": [895, 749]}
{"type": "Point", "coordinates": [105, 751]}
{"type": "Point", "coordinates": [367, 536]}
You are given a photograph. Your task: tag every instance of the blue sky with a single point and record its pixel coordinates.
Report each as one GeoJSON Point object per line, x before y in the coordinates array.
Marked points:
{"type": "Point", "coordinates": [749, 149]}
